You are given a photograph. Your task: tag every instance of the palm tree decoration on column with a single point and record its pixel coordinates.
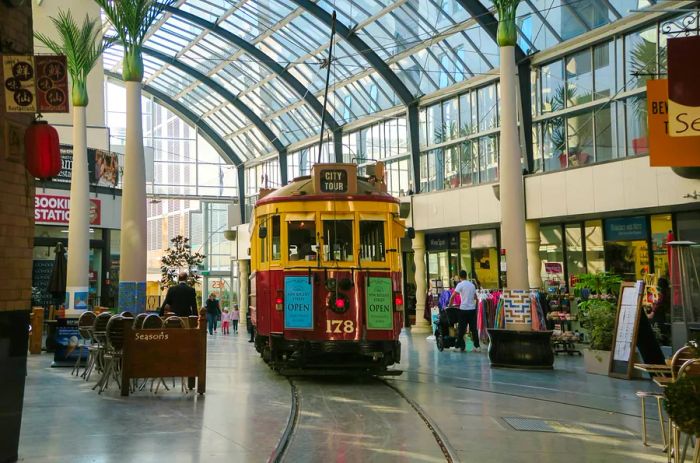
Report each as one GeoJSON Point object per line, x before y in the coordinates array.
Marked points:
{"type": "Point", "coordinates": [82, 45]}
{"type": "Point", "coordinates": [512, 196]}
{"type": "Point", "coordinates": [132, 20]}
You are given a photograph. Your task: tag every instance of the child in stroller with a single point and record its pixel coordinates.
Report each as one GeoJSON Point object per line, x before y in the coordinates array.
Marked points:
{"type": "Point", "coordinates": [448, 318]}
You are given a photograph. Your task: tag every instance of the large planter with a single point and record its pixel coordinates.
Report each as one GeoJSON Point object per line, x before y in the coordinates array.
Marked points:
{"type": "Point", "coordinates": [597, 362]}
{"type": "Point", "coordinates": [521, 349]}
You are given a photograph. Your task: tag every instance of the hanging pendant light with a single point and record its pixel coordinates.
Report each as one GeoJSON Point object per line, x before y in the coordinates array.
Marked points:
{"type": "Point", "coordinates": [43, 153]}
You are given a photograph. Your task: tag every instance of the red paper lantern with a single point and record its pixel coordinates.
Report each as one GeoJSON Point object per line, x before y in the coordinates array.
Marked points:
{"type": "Point", "coordinates": [43, 153]}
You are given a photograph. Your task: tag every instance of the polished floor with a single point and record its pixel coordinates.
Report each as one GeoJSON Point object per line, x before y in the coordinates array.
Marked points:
{"type": "Point", "coordinates": [245, 411]}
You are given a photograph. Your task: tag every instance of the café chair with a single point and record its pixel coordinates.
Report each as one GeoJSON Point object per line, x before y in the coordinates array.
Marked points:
{"type": "Point", "coordinates": [152, 322]}
{"type": "Point", "coordinates": [85, 323]}
{"type": "Point", "coordinates": [113, 351]}
{"type": "Point", "coordinates": [689, 369]}
{"type": "Point", "coordinates": [99, 330]}
{"type": "Point", "coordinates": [138, 321]}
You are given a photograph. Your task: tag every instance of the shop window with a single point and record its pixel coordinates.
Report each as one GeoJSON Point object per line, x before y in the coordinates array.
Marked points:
{"type": "Point", "coordinates": [661, 225]}
{"type": "Point", "coordinates": [579, 78]}
{"type": "Point", "coordinates": [640, 57]}
{"type": "Point", "coordinates": [552, 92]}
{"type": "Point", "coordinates": [301, 237]}
{"type": "Point", "coordinates": [372, 245]}
{"type": "Point", "coordinates": [595, 256]}
{"type": "Point", "coordinates": [276, 233]}
{"type": "Point", "coordinates": [636, 109]}
{"type": "Point", "coordinates": [688, 224]}
{"type": "Point", "coordinates": [551, 255]}
{"type": "Point", "coordinates": [553, 143]}
{"type": "Point", "coordinates": [604, 149]}
{"type": "Point", "coordinates": [263, 241]}
{"type": "Point", "coordinates": [626, 249]}
{"type": "Point", "coordinates": [580, 141]}
{"type": "Point", "coordinates": [465, 253]}
{"type": "Point", "coordinates": [604, 70]}
{"type": "Point", "coordinates": [575, 263]}
{"type": "Point", "coordinates": [337, 240]}
{"type": "Point", "coordinates": [485, 258]}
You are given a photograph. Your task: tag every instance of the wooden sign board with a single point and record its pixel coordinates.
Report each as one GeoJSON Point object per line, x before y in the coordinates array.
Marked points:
{"type": "Point", "coordinates": [164, 353]}
{"type": "Point", "coordinates": [624, 345]}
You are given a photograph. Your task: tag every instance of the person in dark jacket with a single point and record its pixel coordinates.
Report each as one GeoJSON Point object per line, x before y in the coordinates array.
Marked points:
{"type": "Point", "coordinates": [180, 299]}
{"type": "Point", "coordinates": [213, 312]}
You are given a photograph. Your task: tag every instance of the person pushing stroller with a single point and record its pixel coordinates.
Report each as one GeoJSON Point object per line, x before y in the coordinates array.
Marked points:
{"type": "Point", "coordinates": [467, 311]}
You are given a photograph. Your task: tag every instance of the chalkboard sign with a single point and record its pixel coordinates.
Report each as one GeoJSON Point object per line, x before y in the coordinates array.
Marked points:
{"type": "Point", "coordinates": [41, 276]}
{"type": "Point", "coordinates": [624, 346]}
{"type": "Point", "coordinates": [334, 181]}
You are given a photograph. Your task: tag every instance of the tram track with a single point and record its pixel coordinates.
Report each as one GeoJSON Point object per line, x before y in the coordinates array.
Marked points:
{"type": "Point", "coordinates": [281, 450]}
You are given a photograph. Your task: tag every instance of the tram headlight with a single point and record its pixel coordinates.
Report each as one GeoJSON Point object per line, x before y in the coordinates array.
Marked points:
{"type": "Point", "coordinates": [279, 300]}
{"type": "Point", "coordinates": [398, 301]}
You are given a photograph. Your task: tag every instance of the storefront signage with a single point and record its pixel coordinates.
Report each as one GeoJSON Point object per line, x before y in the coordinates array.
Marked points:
{"type": "Point", "coordinates": [683, 91]}
{"type": "Point", "coordinates": [103, 167]}
{"type": "Point", "coordinates": [56, 209]}
{"type": "Point", "coordinates": [334, 181]}
{"type": "Point", "coordinates": [298, 303]}
{"type": "Point", "coordinates": [626, 229]}
{"type": "Point", "coordinates": [51, 83]}
{"type": "Point", "coordinates": [442, 241]}
{"type": "Point", "coordinates": [18, 81]}
{"type": "Point", "coordinates": [35, 83]}
{"type": "Point", "coordinates": [379, 305]}
{"type": "Point", "coordinates": [665, 150]}
{"type": "Point", "coordinates": [553, 267]}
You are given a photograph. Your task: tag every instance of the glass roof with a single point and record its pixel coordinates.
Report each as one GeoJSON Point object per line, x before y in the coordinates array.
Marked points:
{"type": "Point", "coordinates": [427, 44]}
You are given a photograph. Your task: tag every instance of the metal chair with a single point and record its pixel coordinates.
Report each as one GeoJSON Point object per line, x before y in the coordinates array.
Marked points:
{"type": "Point", "coordinates": [99, 329]}
{"type": "Point", "coordinates": [113, 352]}
{"type": "Point", "coordinates": [85, 323]}
{"type": "Point", "coordinates": [152, 322]}
{"type": "Point", "coordinates": [138, 321]}
{"type": "Point", "coordinates": [689, 368]}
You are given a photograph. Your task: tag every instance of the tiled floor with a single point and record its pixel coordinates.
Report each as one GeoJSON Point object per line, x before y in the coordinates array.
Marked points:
{"type": "Point", "coordinates": [246, 407]}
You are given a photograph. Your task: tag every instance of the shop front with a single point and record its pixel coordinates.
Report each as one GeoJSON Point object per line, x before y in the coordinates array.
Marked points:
{"type": "Point", "coordinates": [51, 216]}
{"type": "Point", "coordinates": [475, 251]}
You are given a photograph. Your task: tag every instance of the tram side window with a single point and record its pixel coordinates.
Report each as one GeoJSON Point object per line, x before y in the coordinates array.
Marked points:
{"type": "Point", "coordinates": [337, 240]}
{"type": "Point", "coordinates": [372, 246]}
{"type": "Point", "coordinates": [301, 236]}
{"type": "Point", "coordinates": [263, 244]}
{"type": "Point", "coordinates": [276, 243]}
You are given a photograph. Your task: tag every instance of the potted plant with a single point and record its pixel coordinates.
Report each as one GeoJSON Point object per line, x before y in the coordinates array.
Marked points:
{"type": "Point", "coordinates": [683, 404]}
{"type": "Point", "coordinates": [597, 315]}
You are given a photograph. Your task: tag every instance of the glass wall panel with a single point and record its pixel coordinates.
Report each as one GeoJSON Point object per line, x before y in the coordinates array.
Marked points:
{"type": "Point", "coordinates": [636, 110]}
{"type": "Point", "coordinates": [552, 252]}
{"type": "Point", "coordinates": [552, 92]}
{"type": "Point", "coordinates": [595, 255]}
{"type": "Point", "coordinates": [580, 138]}
{"type": "Point", "coordinates": [604, 149]}
{"type": "Point", "coordinates": [579, 78]}
{"type": "Point", "coordinates": [452, 167]}
{"type": "Point", "coordinates": [575, 263]}
{"type": "Point", "coordinates": [469, 163]}
{"type": "Point", "coordinates": [554, 144]}
{"type": "Point", "coordinates": [604, 70]}
{"type": "Point", "coordinates": [488, 114]}
{"type": "Point", "coordinates": [488, 159]}
{"type": "Point", "coordinates": [640, 57]}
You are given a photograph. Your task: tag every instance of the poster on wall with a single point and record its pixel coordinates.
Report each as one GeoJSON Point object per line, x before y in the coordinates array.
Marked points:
{"type": "Point", "coordinates": [51, 83]}
{"type": "Point", "coordinates": [103, 167]}
{"type": "Point", "coordinates": [18, 81]}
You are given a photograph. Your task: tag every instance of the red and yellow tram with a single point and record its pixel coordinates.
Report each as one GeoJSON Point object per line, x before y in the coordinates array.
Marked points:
{"type": "Point", "coordinates": [326, 285]}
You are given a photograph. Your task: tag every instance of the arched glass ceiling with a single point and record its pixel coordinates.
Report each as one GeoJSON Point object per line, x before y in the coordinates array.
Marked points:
{"type": "Point", "coordinates": [427, 44]}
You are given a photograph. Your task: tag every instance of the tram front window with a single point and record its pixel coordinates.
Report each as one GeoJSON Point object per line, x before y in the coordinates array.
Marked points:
{"type": "Point", "coordinates": [301, 236]}
{"type": "Point", "coordinates": [372, 240]}
{"type": "Point", "coordinates": [337, 240]}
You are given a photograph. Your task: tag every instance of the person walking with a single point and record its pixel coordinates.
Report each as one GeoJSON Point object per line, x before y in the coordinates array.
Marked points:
{"type": "Point", "coordinates": [180, 299]}
{"type": "Point", "coordinates": [467, 311]}
{"type": "Point", "coordinates": [225, 321]}
{"type": "Point", "coordinates": [213, 312]}
{"type": "Point", "coordinates": [235, 317]}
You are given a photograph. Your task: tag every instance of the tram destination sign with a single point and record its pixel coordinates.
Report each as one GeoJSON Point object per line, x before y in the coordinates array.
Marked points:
{"type": "Point", "coordinates": [335, 178]}
{"type": "Point", "coordinates": [334, 181]}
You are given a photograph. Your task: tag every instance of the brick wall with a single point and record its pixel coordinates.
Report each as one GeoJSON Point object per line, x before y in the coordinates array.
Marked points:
{"type": "Point", "coordinates": [16, 185]}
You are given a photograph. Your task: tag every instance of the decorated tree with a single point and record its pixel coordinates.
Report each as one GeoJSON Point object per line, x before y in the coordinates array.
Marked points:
{"type": "Point", "coordinates": [180, 258]}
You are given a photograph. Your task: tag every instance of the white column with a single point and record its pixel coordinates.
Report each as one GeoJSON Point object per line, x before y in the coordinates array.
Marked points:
{"type": "Point", "coordinates": [534, 263]}
{"type": "Point", "coordinates": [511, 178]}
{"type": "Point", "coordinates": [79, 219]}
{"type": "Point", "coordinates": [243, 274]}
{"type": "Point", "coordinates": [421, 279]}
{"type": "Point", "coordinates": [132, 270]}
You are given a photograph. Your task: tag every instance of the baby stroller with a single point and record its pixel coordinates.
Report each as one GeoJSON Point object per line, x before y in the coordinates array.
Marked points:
{"type": "Point", "coordinates": [446, 329]}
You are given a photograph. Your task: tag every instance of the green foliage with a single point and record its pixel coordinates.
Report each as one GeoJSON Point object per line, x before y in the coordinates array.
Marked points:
{"type": "Point", "coordinates": [602, 283]}
{"type": "Point", "coordinates": [683, 404]}
{"type": "Point", "coordinates": [598, 317]}
{"type": "Point", "coordinates": [81, 44]}
{"type": "Point", "coordinates": [179, 258]}
{"type": "Point", "coordinates": [507, 34]}
{"type": "Point", "coordinates": [132, 19]}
